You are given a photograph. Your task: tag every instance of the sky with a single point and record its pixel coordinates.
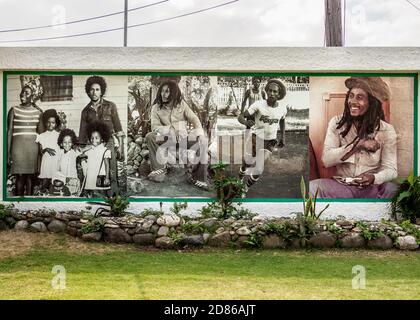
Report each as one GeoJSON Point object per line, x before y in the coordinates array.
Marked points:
{"type": "Point", "coordinates": [241, 23]}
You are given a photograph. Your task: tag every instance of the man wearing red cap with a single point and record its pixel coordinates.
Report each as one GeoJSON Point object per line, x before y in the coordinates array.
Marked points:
{"type": "Point", "coordinates": [361, 145]}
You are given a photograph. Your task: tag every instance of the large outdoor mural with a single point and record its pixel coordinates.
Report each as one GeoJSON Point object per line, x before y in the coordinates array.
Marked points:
{"type": "Point", "coordinates": [157, 136]}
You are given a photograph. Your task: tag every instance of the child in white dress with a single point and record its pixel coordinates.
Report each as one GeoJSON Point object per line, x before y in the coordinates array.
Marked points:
{"type": "Point", "coordinates": [67, 157]}
{"type": "Point", "coordinates": [98, 158]}
{"type": "Point", "coordinates": [49, 148]}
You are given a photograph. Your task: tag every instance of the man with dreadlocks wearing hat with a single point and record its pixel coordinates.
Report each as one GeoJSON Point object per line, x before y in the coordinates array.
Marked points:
{"type": "Point", "coordinates": [265, 118]}
{"type": "Point", "coordinates": [361, 145]}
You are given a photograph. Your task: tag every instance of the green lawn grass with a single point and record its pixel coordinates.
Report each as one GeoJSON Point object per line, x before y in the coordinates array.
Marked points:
{"type": "Point", "coordinates": [127, 272]}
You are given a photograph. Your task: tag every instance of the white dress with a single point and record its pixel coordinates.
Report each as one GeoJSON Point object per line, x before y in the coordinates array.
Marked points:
{"type": "Point", "coordinates": [94, 161]}
{"type": "Point", "coordinates": [48, 139]}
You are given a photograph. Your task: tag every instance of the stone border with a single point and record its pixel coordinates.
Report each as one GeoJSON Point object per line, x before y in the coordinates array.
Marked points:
{"type": "Point", "coordinates": [170, 231]}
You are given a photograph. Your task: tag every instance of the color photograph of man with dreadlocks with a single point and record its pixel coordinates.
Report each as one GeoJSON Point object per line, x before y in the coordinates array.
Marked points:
{"type": "Point", "coordinates": [355, 135]}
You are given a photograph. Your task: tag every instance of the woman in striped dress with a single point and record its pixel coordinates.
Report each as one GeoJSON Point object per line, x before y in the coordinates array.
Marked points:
{"type": "Point", "coordinates": [24, 123]}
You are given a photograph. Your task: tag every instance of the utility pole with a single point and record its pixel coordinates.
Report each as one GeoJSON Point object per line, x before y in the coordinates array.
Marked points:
{"type": "Point", "coordinates": [333, 24]}
{"type": "Point", "coordinates": [125, 21]}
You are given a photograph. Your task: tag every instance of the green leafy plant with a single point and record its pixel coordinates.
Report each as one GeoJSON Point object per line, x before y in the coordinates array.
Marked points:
{"type": "Point", "coordinates": [176, 237]}
{"type": "Point", "coordinates": [178, 207]}
{"type": "Point", "coordinates": [331, 227]}
{"type": "Point", "coordinates": [5, 210]}
{"type": "Point", "coordinates": [243, 213]}
{"type": "Point", "coordinates": [367, 233]}
{"type": "Point", "coordinates": [192, 228]}
{"type": "Point", "coordinates": [254, 241]}
{"type": "Point", "coordinates": [286, 230]}
{"type": "Point", "coordinates": [115, 206]}
{"type": "Point", "coordinates": [308, 218]}
{"type": "Point", "coordinates": [151, 212]}
{"type": "Point", "coordinates": [411, 229]}
{"type": "Point", "coordinates": [95, 225]}
{"type": "Point", "coordinates": [227, 188]}
{"type": "Point", "coordinates": [406, 202]}
{"type": "Point", "coordinates": [309, 202]}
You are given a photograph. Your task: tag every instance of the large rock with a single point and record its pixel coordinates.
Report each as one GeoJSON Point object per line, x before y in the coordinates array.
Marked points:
{"type": "Point", "coordinates": [3, 225]}
{"type": "Point", "coordinates": [243, 231]}
{"type": "Point", "coordinates": [324, 239]}
{"type": "Point", "coordinates": [38, 227]}
{"type": "Point", "coordinates": [10, 221]}
{"type": "Point", "coordinates": [273, 241]}
{"type": "Point", "coordinates": [116, 235]}
{"type": "Point", "coordinates": [353, 240]}
{"type": "Point", "coordinates": [344, 223]}
{"type": "Point", "coordinates": [68, 216]}
{"type": "Point", "coordinates": [92, 237]}
{"type": "Point", "coordinates": [407, 243]}
{"type": "Point", "coordinates": [145, 226]}
{"type": "Point", "coordinates": [74, 232]}
{"type": "Point", "coordinates": [210, 223]}
{"type": "Point", "coordinates": [383, 243]}
{"type": "Point", "coordinates": [57, 226]}
{"type": "Point", "coordinates": [242, 242]}
{"type": "Point", "coordinates": [150, 217]}
{"type": "Point", "coordinates": [164, 243]}
{"type": "Point", "coordinates": [144, 239]}
{"type": "Point", "coordinates": [169, 220]}
{"type": "Point", "coordinates": [163, 231]}
{"type": "Point", "coordinates": [21, 225]}
{"type": "Point", "coordinates": [76, 224]}
{"type": "Point", "coordinates": [220, 240]}
{"type": "Point", "coordinates": [194, 240]}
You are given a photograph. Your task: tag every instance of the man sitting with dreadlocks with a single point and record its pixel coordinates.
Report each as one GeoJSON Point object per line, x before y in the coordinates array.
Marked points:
{"type": "Point", "coordinates": [170, 117]}
{"type": "Point", "coordinates": [361, 145]}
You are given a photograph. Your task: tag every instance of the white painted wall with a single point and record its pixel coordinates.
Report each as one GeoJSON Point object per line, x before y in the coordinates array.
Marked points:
{"type": "Point", "coordinates": [217, 60]}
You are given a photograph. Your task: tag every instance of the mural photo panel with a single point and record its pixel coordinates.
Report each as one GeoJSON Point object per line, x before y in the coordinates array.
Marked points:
{"type": "Point", "coordinates": [180, 127]}
{"type": "Point", "coordinates": [66, 135]}
{"type": "Point", "coordinates": [362, 131]}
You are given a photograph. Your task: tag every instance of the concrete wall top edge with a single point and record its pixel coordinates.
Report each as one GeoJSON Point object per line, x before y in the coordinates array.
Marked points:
{"type": "Point", "coordinates": [211, 59]}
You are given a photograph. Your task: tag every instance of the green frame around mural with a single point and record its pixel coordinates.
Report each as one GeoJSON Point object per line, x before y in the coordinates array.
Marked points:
{"type": "Point", "coordinates": [191, 73]}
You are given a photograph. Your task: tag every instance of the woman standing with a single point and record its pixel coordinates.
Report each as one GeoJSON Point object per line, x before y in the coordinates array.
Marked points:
{"type": "Point", "coordinates": [24, 123]}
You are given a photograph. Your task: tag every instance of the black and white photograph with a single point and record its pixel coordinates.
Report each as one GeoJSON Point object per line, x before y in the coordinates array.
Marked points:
{"type": "Point", "coordinates": [170, 120]}
{"type": "Point", "coordinates": [263, 125]}
{"type": "Point", "coordinates": [66, 135]}
{"type": "Point", "coordinates": [180, 126]}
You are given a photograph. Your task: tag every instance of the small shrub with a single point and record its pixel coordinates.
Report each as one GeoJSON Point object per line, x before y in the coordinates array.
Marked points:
{"type": "Point", "coordinates": [178, 207]}
{"type": "Point", "coordinates": [192, 228]}
{"type": "Point", "coordinates": [404, 205]}
{"type": "Point", "coordinates": [331, 227]}
{"type": "Point", "coordinates": [254, 241]}
{"type": "Point", "coordinates": [5, 210]}
{"type": "Point", "coordinates": [151, 212]}
{"type": "Point", "coordinates": [411, 229]}
{"type": "Point", "coordinates": [367, 233]}
{"type": "Point", "coordinates": [227, 189]}
{"type": "Point", "coordinates": [95, 225]}
{"type": "Point", "coordinates": [176, 237]}
{"type": "Point", "coordinates": [214, 210]}
{"type": "Point", "coordinates": [286, 230]}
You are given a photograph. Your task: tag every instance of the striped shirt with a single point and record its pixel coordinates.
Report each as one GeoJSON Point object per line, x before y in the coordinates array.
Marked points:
{"type": "Point", "coordinates": [25, 122]}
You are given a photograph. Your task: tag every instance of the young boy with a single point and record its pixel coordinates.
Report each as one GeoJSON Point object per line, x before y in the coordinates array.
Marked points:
{"type": "Point", "coordinates": [269, 118]}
